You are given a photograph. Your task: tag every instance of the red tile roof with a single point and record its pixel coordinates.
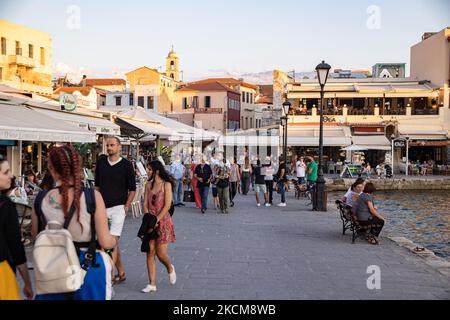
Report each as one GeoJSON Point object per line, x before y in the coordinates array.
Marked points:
{"type": "Point", "coordinates": [228, 81]}
{"type": "Point", "coordinates": [104, 82]}
{"type": "Point", "coordinates": [84, 90]}
{"type": "Point", "coordinates": [206, 86]}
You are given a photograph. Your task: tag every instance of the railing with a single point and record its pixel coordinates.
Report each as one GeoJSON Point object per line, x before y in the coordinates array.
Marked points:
{"type": "Point", "coordinates": [21, 60]}
{"type": "Point", "coordinates": [208, 110]}
{"type": "Point", "coordinates": [427, 111]}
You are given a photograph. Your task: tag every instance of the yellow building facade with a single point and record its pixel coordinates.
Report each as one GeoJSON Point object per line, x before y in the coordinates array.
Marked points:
{"type": "Point", "coordinates": [25, 58]}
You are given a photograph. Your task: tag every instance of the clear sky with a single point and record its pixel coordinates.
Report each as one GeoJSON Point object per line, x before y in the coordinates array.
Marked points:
{"type": "Point", "coordinates": [239, 36]}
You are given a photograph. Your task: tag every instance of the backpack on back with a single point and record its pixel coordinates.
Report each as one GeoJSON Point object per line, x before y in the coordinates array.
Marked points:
{"type": "Point", "coordinates": [56, 260]}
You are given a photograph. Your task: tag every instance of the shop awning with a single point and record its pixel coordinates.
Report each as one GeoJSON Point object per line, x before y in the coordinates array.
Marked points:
{"type": "Point", "coordinates": [250, 141]}
{"type": "Point", "coordinates": [149, 127]}
{"type": "Point", "coordinates": [336, 136]}
{"type": "Point", "coordinates": [92, 123]}
{"type": "Point", "coordinates": [18, 122]}
{"type": "Point", "coordinates": [372, 142]}
{"type": "Point", "coordinates": [422, 132]}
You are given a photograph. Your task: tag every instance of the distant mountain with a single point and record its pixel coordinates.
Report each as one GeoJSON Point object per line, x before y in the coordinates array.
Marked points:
{"type": "Point", "coordinates": [264, 77]}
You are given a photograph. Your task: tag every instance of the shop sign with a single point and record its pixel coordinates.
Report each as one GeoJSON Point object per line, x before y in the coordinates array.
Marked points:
{"type": "Point", "coordinates": [67, 101]}
{"type": "Point", "coordinates": [399, 144]}
{"type": "Point", "coordinates": [428, 143]}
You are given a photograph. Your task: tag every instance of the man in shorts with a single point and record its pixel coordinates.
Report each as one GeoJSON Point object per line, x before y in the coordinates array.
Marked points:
{"type": "Point", "coordinates": [260, 184]}
{"type": "Point", "coordinates": [115, 179]}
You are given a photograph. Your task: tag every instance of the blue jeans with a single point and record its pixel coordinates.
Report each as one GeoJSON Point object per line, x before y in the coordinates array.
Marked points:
{"type": "Point", "coordinates": [282, 191]}
{"type": "Point", "coordinates": [204, 195]}
{"type": "Point", "coordinates": [178, 192]}
{"type": "Point", "coordinates": [301, 180]}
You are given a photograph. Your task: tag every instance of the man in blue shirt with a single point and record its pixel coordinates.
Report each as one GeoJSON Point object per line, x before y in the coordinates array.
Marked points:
{"type": "Point", "coordinates": [178, 170]}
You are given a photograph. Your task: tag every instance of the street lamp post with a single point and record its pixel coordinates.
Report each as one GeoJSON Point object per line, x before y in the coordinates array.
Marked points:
{"type": "Point", "coordinates": [284, 122]}
{"type": "Point", "coordinates": [320, 199]}
{"type": "Point", "coordinates": [407, 155]}
{"type": "Point", "coordinates": [392, 152]}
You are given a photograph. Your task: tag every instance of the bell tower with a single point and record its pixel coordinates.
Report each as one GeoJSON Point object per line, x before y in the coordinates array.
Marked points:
{"type": "Point", "coordinates": [173, 65]}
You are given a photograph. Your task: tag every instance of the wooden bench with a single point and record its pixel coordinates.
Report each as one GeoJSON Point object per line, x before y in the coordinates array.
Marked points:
{"type": "Point", "coordinates": [349, 221]}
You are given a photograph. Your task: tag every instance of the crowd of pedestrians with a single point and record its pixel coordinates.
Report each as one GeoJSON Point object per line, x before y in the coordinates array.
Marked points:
{"type": "Point", "coordinates": [94, 219]}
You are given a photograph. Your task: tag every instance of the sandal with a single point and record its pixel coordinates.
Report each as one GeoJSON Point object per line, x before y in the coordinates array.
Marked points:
{"type": "Point", "coordinates": [119, 278]}
{"type": "Point", "coordinates": [372, 240]}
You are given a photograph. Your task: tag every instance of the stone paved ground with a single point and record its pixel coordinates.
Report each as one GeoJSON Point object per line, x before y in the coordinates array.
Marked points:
{"type": "Point", "coordinates": [275, 253]}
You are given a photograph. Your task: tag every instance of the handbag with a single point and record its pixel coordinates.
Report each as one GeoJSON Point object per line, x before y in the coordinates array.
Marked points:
{"type": "Point", "coordinates": [188, 196]}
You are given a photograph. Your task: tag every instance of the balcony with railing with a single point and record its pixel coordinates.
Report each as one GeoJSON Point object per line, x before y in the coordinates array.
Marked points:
{"type": "Point", "coordinates": [21, 61]}
{"type": "Point", "coordinates": [208, 110]}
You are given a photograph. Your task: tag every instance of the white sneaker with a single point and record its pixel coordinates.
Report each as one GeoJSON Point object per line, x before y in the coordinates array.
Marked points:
{"type": "Point", "coordinates": [172, 276]}
{"type": "Point", "coordinates": [258, 204]}
{"type": "Point", "coordinates": [281, 204]}
{"type": "Point", "coordinates": [149, 288]}
{"type": "Point", "coordinates": [268, 205]}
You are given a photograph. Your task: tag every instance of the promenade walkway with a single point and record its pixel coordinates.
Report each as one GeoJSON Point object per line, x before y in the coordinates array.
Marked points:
{"type": "Point", "coordinates": [275, 253]}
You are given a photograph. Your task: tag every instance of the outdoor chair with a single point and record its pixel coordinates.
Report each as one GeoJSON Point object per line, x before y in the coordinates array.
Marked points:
{"type": "Point", "coordinates": [350, 222]}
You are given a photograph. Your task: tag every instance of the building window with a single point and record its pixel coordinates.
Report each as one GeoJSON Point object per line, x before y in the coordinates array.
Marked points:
{"type": "Point", "coordinates": [131, 99]}
{"type": "Point", "coordinates": [42, 56]}
{"type": "Point", "coordinates": [185, 104]}
{"type": "Point", "coordinates": [172, 76]}
{"type": "Point", "coordinates": [172, 65]}
{"type": "Point", "coordinates": [243, 96]}
{"type": "Point", "coordinates": [18, 49]}
{"type": "Point", "coordinates": [118, 100]}
{"type": "Point", "coordinates": [30, 51]}
{"type": "Point", "coordinates": [3, 46]}
{"type": "Point", "coordinates": [208, 102]}
{"type": "Point", "coordinates": [150, 102]}
{"type": "Point", "coordinates": [141, 101]}
{"type": "Point", "coordinates": [195, 102]}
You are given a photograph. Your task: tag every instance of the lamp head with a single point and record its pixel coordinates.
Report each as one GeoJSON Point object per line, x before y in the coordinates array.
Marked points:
{"type": "Point", "coordinates": [286, 107]}
{"type": "Point", "coordinates": [322, 70]}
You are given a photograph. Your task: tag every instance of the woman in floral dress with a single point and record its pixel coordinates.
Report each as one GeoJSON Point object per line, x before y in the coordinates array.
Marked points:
{"type": "Point", "coordinates": [157, 201]}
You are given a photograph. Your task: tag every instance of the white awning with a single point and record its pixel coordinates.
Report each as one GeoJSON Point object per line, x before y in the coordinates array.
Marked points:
{"type": "Point", "coordinates": [149, 127]}
{"type": "Point", "coordinates": [251, 141]}
{"type": "Point", "coordinates": [18, 122]}
{"type": "Point", "coordinates": [300, 136]}
{"type": "Point", "coordinates": [372, 142]}
{"type": "Point", "coordinates": [422, 132]}
{"type": "Point", "coordinates": [95, 124]}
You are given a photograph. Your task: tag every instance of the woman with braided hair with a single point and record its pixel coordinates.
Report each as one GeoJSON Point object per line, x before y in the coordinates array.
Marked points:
{"type": "Point", "coordinates": [55, 204]}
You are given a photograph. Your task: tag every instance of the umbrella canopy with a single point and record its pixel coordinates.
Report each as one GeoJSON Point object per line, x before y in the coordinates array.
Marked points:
{"type": "Point", "coordinates": [354, 147]}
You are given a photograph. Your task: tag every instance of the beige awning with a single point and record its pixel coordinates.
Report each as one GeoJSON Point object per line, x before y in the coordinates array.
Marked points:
{"type": "Point", "coordinates": [309, 136]}
{"type": "Point", "coordinates": [18, 122]}
{"type": "Point", "coordinates": [422, 132]}
{"type": "Point", "coordinates": [251, 141]}
{"type": "Point", "coordinates": [95, 124]}
{"type": "Point", "coordinates": [372, 142]}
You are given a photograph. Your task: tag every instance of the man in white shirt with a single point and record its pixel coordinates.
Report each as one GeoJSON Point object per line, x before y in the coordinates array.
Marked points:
{"type": "Point", "coordinates": [300, 168]}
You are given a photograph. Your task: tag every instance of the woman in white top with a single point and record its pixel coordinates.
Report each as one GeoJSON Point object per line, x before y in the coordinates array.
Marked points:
{"type": "Point", "coordinates": [65, 166]}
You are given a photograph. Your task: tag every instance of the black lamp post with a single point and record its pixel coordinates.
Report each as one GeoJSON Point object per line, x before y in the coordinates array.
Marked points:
{"type": "Point", "coordinates": [320, 198]}
{"type": "Point", "coordinates": [284, 122]}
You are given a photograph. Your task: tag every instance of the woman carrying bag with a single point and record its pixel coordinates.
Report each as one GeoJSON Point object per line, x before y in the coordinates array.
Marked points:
{"type": "Point", "coordinates": [157, 202]}
{"type": "Point", "coordinates": [69, 205]}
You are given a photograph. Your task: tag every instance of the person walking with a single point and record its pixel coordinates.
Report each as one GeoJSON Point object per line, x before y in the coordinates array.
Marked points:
{"type": "Point", "coordinates": [300, 169]}
{"type": "Point", "coordinates": [194, 184]}
{"type": "Point", "coordinates": [268, 179]}
{"type": "Point", "coordinates": [281, 182]}
{"type": "Point", "coordinates": [12, 251]}
{"type": "Point", "coordinates": [260, 184]}
{"type": "Point", "coordinates": [203, 174]}
{"type": "Point", "coordinates": [235, 177]}
{"type": "Point", "coordinates": [115, 179]}
{"type": "Point", "coordinates": [214, 180]}
{"type": "Point", "coordinates": [246, 172]}
{"type": "Point", "coordinates": [55, 204]}
{"type": "Point", "coordinates": [157, 202]}
{"type": "Point", "coordinates": [223, 186]}
{"type": "Point", "coordinates": [177, 170]}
